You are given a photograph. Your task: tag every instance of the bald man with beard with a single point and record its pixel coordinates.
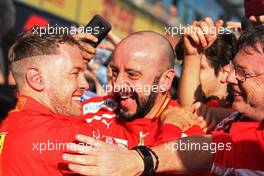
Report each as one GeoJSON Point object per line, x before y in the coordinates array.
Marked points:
{"type": "Point", "coordinates": [142, 73]}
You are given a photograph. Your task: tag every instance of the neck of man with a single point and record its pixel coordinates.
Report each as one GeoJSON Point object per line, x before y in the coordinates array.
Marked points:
{"type": "Point", "coordinates": [39, 97]}
{"type": "Point", "coordinates": [158, 107]}
{"type": "Point", "coordinates": [220, 94]}
{"type": "Point", "coordinates": [255, 114]}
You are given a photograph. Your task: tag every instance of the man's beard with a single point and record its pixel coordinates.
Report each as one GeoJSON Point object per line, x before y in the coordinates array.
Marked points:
{"type": "Point", "coordinates": [144, 104]}
{"type": "Point", "coordinates": [60, 107]}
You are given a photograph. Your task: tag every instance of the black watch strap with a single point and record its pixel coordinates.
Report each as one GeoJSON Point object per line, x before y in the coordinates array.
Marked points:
{"type": "Point", "coordinates": [147, 158]}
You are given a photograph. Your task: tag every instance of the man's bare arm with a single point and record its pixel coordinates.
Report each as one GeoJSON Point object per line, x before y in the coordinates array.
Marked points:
{"type": "Point", "coordinates": [108, 159]}
{"type": "Point", "coordinates": [185, 161]}
{"type": "Point", "coordinates": [195, 40]}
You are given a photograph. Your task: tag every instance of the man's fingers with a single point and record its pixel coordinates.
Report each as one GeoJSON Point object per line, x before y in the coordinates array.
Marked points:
{"type": "Point", "coordinates": [209, 22]}
{"type": "Point", "coordinates": [203, 125]}
{"type": "Point", "coordinates": [203, 110]}
{"type": "Point", "coordinates": [84, 170]}
{"type": "Point", "coordinates": [89, 140]}
{"type": "Point", "coordinates": [219, 23]}
{"type": "Point", "coordinates": [204, 33]}
{"type": "Point", "coordinates": [195, 107]}
{"type": "Point", "coordinates": [187, 42]}
{"type": "Point", "coordinates": [205, 130]}
{"type": "Point", "coordinates": [88, 48]}
{"type": "Point", "coordinates": [190, 32]}
{"type": "Point", "coordinates": [213, 30]}
{"type": "Point", "coordinates": [194, 38]}
{"type": "Point", "coordinates": [113, 38]}
{"type": "Point", "coordinates": [187, 124]}
{"type": "Point", "coordinates": [201, 122]}
{"type": "Point", "coordinates": [201, 36]}
{"type": "Point", "coordinates": [82, 148]}
{"type": "Point", "coordinates": [79, 159]}
{"type": "Point", "coordinates": [86, 36]}
{"type": "Point", "coordinates": [86, 56]}
{"type": "Point", "coordinates": [211, 126]}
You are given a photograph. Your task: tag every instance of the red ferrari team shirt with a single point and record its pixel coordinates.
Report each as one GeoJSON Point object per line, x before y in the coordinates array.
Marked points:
{"type": "Point", "coordinates": [100, 112]}
{"type": "Point", "coordinates": [241, 149]}
{"type": "Point", "coordinates": [33, 138]}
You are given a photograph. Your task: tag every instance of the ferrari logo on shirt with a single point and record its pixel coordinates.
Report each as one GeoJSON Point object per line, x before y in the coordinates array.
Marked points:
{"type": "Point", "coordinates": [141, 138]}
{"type": "Point", "coordinates": [20, 104]}
{"type": "Point", "coordinates": [2, 140]}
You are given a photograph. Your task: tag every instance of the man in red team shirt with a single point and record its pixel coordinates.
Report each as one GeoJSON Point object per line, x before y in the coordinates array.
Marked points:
{"type": "Point", "coordinates": [237, 144]}
{"type": "Point", "coordinates": [142, 72]}
{"type": "Point", "coordinates": [49, 73]}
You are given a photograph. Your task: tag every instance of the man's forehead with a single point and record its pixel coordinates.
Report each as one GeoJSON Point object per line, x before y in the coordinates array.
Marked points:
{"type": "Point", "coordinates": [71, 51]}
{"type": "Point", "coordinates": [69, 48]}
{"type": "Point", "coordinates": [135, 53]}
{"type": "Point", "coordinates": [136, 60]}
{"type": "Point", "coordinates": [250, 57]}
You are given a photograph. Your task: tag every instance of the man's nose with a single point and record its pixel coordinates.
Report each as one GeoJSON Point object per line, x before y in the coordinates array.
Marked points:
{"type": "Point", "coordinates": [226, 71]}
{"type": "Point", "coordinates": [83, 84]}
{"type": "Point", "coordinates": [231, 78]}
{"type": "Point", "coordinates": [120, 83]}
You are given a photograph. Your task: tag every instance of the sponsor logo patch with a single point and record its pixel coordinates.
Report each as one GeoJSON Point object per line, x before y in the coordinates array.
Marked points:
{"type": "Point", "coordinates": [2, 140]}
{"type": "Point", "coordinates": [20, 104]}
{"type": "Point", "coordinates": [93, 107]}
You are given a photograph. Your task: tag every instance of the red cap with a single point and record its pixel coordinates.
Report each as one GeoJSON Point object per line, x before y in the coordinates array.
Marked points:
{"type": "Point", "coordinates": [254, 7]}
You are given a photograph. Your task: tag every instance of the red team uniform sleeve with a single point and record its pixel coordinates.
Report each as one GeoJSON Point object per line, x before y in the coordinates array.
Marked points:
{"type": "Point", "coordinates": [168, 132]}
{"type": "Point", "coordinates": [244, 150]}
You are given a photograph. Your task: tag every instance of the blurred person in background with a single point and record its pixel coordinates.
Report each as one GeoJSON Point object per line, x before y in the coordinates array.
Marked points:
{"type": "Point", "coordinates": [203, 77]}
{"type": "Point", "coordinates": [254, 13]}
{"type": "Point", "coordinates": [254, 10]}
{"type": "Point", "coordinates": [99, 68]}
{"type": "Point", "coordinates": [7, 21]}
{"type": "Point", "coordinates": [95, 88]}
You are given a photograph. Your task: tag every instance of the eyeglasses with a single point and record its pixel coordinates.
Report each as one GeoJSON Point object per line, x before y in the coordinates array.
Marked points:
{"type": "Point", "coordinates": [240, 74]}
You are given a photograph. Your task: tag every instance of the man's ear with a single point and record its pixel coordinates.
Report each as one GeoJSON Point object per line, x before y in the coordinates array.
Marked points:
{"type": "Point", "coordinates": [223, 73]}
{"type": "Point", "coordinates": [166, 80]}
{"type": "Point", "coordinates": [34, 79]}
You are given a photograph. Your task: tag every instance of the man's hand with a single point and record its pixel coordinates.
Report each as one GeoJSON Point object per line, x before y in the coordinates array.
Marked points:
{"type": "Point", "coordinates": [182, 118]}
{"type": "Point", "coordinates": [212, 116]}
{"type": "Point", "coordinates": [99, 158]}
{"type": "Point", "coordinates": [200, 35]}
{"type": "Point", "coordinates": [111, 43]}
{"type": "Point", "coordinates": [89, 50]}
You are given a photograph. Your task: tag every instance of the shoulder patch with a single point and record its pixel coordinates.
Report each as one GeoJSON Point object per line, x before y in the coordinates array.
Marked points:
{"type": "Point", "coordinates": [94, 107]}
{"type": "Point", "coordinates": [2, 140]}
{"type": "Point", "coordinates": [20, 104]}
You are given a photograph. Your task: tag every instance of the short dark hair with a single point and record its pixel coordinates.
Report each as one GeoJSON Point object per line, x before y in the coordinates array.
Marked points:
{"type": "Point", "coordinates": [30, 44]}
{"type": "Point", "coordinates": [219, 54]}
{"type": "Point", "coordinates": [222, 51]}
{"type": "Point", "coordinates": [250, 37]}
